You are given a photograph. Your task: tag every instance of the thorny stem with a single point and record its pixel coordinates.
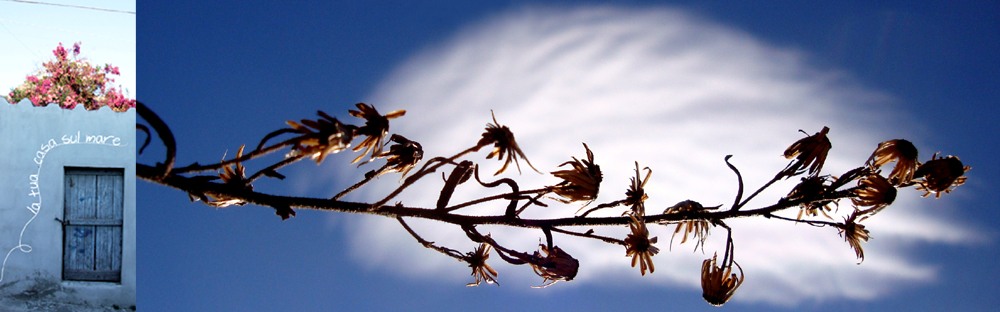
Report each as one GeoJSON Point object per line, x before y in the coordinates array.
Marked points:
{"type": "Point", "coordinates": [815, 223]}
{"type": "Point", "coordinates": [601, 206]}
{"type": "Point", "coordinates": [368, 177]}
{"type": "Point", "coordinates": [194, 185]}
{"type": "Point", "coordinates": [766, 185]}
{"type": "Point", "coordinates": [590, 234]}
{"type": "Point", "coordinates": [254, 154]}
{"type": "Point", "coordinates": [447, 251]}
{"type": "Point", "coordinates": [274, 167]}
{"type": "Point", "coordinates": [496, 197]}
{"type": "Point", "coordinates": [424, 171]}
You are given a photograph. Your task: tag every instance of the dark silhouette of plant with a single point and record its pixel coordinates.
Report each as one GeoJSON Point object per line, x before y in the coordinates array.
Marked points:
{"type": "Point", "coordinates": [868, 191]}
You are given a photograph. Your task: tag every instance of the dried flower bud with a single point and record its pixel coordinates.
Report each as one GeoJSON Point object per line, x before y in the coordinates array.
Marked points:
{"type": "Point", "coordinates": [903, 153]}
{"type": "Point", "coordinates": [582, 182]}
{"type": "Point", "coordinates": [402, 156]}
{"type": "Point", "coordinates": [875, 192]}
{"type": "Point", "coordinates": [330, 137]}
{"type": "Point", "coordinates": [718, 283]}
{"type": "Point", "coordinates": [233, 178]}
{"type": "Point", "coordinates": [700, 228]}
{"type": "Point", "coordinates": [809, 152]}
{"type": "Point", "coordinates": [503, 144]}
{"type": "Point", "coordinates": [635, 196]}
{"type": "Point", "coordinates": [811, 187]}
{"type": "Point", "coordinates": [940, 175]}
{"type": "Point", "coordinates": [375, 128]}
{"type": "Point", "coordinates": [639, 246]}
{"type": "Point", "coordinates": [480, 270]}
{"type": "Point", "coordinates": [556, 265]}
{"type": "Point", "coordinates": [854, 233]}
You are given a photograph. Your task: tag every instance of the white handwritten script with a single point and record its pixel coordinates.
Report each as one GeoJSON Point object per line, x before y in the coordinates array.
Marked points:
{"type": "Point", "coordinates": [34, 189]}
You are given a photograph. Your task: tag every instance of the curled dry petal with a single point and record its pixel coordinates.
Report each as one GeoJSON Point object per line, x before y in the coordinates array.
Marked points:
{"type": "Point", "coordinates": [940, 175]}
{"type": "Point", "coordinates": [809, 152]}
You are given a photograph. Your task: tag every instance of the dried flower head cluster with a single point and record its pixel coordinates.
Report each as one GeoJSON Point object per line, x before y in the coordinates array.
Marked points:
{"type": "Point", "coordinates": [809, 152]}
{"type": "Point", "coordinates": [699, 227]}
{"type": "Point", "coordinates": [639, 246]}
{"type": "Point", "coordinates": [556, 265]}
{"type": "Point", "coordinates": [321, 137]}
{"type": "Point", "coordinates": [718, 282]}
{"type": "Point", "coordinates": [940, 175]}
{"type": "Point", "coordinates": [812, 187]}
{"type": "Point", "coordinates": [903, 153]}
{"type": "Point", "coordinates": [375, 129]}
{"type": "Point", "coordinates": [480, 269]}
{"type": "Point", "coordinates": [503, 144]}
{"type": "Point", "coordinates": [580, 183]}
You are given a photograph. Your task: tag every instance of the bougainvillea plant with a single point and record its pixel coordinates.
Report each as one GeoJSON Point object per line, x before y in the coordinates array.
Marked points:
{"type": "Point", "coordinates": [71, 81]}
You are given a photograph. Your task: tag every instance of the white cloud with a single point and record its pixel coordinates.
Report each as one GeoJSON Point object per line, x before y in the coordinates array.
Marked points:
{"type": "Point", "coordinates": [673, 92]}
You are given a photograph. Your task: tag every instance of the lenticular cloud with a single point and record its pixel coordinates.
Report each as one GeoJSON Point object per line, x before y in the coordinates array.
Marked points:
{"type": "Point", "coordinates": [675, 93]}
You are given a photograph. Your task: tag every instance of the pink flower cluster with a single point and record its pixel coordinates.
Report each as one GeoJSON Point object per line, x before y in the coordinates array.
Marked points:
{"type": "Point", "coordinates": [69, 82]}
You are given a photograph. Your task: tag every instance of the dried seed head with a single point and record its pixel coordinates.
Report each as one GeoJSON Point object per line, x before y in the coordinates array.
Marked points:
{"type": "Point", "coordinates": [321, 137]}
{"type": "Point", "coordinates": [480, 270]}
{"type": "Point", "coordinates": [375, 128]}
{"type": "Point", "coordinates": [875, 192]}
{"type": "Point", "coordinates": [940, 175]}
{"type": "Point", "coordinates": [401, 156]}
{"type": "Point", "coordinates": [635, 196]}
{"type": "Point", "coordinates": [639, 246]}
{"type": "Point", "coordinates": [580, 183]}
{"type": "Point", "coordinates": [809, 152]}
{"type": "Point", "coordinates": [854, 233]}
{"type": "Point", "coordinates": [903, 153]}
{"type": "Point", "coordinates": [700, 228]}
{"type": "Point", "coordinates": [234, 178]}
{"type": "Point", "coordinates": [718, 282]}
{"type": "Point", "coordinates": [503, 144]}
{"type": "Point", "coordinates": [812, 187]}
{"type": "Point", "coordinates": [556, 265]}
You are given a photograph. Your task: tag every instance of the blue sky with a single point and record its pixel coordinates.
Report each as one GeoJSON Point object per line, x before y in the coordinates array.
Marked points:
{"type": "Point", "coordinates": [668, 84]}
{"type": "Point", "coordinates": [31, 31]}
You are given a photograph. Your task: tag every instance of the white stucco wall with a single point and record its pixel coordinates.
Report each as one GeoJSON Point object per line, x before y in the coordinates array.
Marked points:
{"type": "Point", "coordinates": [42, 141]}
